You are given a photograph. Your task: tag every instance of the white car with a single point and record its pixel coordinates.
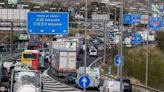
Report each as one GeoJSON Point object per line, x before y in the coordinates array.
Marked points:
{"type": "Point", "coordinates": [110, 86]}
{"type": "Point", "coordinates": [93, 52]}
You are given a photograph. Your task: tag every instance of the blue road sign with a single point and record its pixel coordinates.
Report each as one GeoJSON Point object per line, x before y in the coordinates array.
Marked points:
{"type": "Point", "coordinates": [155, 23]}
{"type": "Point", "coordinates": [136, 19]}
{"type": "Point", "coordinates": [136, 38]}
{"type": "Point", "coordinates": [127, 19]}
{"type": "Point", "coordinates": [84, 82]}
{"type": "Point", "coordinates": [110, 35]}
{"type": "Point", "coordinates": [117, 60]}
{"type": "Point", "coordinates": [131, 19]}
{"type": "Point", "coordinates": [47, 23]}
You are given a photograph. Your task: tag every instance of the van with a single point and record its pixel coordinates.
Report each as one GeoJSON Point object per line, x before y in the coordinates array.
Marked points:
{"type": "Point", "coordinates": [93, 52]}
{"type": "Point", "coordinates": [110, 86]}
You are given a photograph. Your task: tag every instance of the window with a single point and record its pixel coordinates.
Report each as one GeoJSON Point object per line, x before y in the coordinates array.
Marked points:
{"type": "Point", "coordinates": [30, 56]}
{"type": "Point", "coordinates": [93, 50]}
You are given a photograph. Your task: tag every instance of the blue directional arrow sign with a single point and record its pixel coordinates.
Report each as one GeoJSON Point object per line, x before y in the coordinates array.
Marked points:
{"type": "Point", "coordinates": [110, 35]}
{"type": "Point", "coordinates": [84, 82]}
{"type": "Point", "coordinates": [136, 38]}
{"type": "Point", "coordinates": [127, 19]}
{"type": "Point", "coordinates": [47, 23]}
{"type": "Point", "coordinates": [155, 23]}
{"type": "Point", "coordinates": [117, 60]}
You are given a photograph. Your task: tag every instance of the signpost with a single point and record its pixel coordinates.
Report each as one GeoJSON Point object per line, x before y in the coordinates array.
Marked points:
{"type": "Point", "coordinates": [110, 35]}
{"type": "Point", "coordinates": [136, 38]}
{"type": "Point", "coordinates": [84, 82]}
{"type": "Point", "coordinates": [155, 23]}
{"type": "Point", "coordinates": [131, 19]}
{"type": "Point", "coordinates": [12, 1]}
{"type": "Point", "coordinates": [136, 19]}
{"type": "Point", "coordinates": [47, 23]}
{"type": "Point", "coordinates": [127, 18]}
{"type": "Point", "coordinates": [117, 60]}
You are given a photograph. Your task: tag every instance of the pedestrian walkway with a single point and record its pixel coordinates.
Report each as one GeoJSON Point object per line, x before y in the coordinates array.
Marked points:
{"type": "Point", "coordinates": [51, 85]}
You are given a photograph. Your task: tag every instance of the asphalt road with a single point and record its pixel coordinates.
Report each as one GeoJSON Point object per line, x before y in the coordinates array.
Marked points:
{"type": "Point", "coordinates": [79, 63]}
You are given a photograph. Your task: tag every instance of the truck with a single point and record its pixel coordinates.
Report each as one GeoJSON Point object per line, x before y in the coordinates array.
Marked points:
{"type": "Point", "coordinates": [63, 61]}
{"type": "Point", "coordinates": [92, 72]}
{"type": "Point", "coordinates": [25, 79]}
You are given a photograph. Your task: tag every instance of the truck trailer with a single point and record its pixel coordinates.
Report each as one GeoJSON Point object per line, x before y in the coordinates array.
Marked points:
{"type": "Point", "coordinates": [63, 61]}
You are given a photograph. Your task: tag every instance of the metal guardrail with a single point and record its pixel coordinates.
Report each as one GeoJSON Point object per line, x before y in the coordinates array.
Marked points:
{"type": "Point", "coordinates": [95, 63]}
{"type": "Point", "coordinates": [10, 57]}
{"type": "Point", "coordinates": [98, 62]}
{"type": "Point", "coordinates": [149, 89]}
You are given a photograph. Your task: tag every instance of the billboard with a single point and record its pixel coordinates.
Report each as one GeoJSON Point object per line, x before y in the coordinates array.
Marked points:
{"type": "Point", "coordinates": [12, 1]}
{"type": "Point", "coordinates": [100, 17]}
{"type": "Point", "coordinates": [144, 19]}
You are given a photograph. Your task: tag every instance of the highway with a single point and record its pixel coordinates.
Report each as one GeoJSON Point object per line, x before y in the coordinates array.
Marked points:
{"type": "Point", "coordinates": [79, 63]}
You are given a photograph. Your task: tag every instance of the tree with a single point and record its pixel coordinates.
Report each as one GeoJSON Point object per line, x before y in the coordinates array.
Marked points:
{"type": "Point", "coordinates": [160, 40]}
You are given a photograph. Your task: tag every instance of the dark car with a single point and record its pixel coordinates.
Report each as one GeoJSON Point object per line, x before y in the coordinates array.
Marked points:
{"type": "Point", "coordinates": [127, 84]}
{"type": "Point", "coordinates": [5, 75]}
{"type": "Point", "coordinates": [70, 78]}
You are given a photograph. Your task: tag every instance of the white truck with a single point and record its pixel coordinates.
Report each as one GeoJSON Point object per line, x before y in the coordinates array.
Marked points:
{"type": "Point", "coordinates": [92, 72]}
{"type": "Point", "coordinates": [63, 61]}
{"type": "Point", "coordinates": [25, 81]}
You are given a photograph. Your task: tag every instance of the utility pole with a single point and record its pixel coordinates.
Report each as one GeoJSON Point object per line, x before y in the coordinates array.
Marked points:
{"type": "Point", "coordinates": [121, 47]}
{"type": "Point", "coordinates": [105, 31]}
{"type": "Point", "coordinates": [147, 49]}
{"type": "Point", "coordinates": [85, 56]}
{"type": "Point", "coordinates": [105, 41]}
{"type": "Point", "coordinates": [11, 36]}
{"type": "Point", "coordinates": [0, 68]}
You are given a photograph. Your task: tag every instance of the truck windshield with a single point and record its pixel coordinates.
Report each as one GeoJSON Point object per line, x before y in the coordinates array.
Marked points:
{"type": "Point", "coordinates": [29, 56]}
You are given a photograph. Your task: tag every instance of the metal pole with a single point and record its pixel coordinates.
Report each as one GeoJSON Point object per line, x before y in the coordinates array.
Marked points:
{"type": "Point", "coordinates": [11, 34]}
{"type": "Point", "coordinates": [0, 68]}
{"type": "Point", "coordinates": [115, 17]}
{"type": "Point", "coordinates": [118, 46]}
{"type": "Point", "coordinates": [147, 50]}
{"type": "Point", "coordinates": [105, 41]}
{"type": "Point", "coordinates": [121, 47]}
{"type": "Point", "coordinates": [85, 57]}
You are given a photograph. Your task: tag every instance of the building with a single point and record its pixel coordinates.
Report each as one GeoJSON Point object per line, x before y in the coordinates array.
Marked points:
{"type": "Point", "coordinates": [13, 18]}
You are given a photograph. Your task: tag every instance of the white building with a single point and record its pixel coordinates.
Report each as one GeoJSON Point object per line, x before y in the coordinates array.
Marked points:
{"type": "Point", "coordinates": [17, 16]}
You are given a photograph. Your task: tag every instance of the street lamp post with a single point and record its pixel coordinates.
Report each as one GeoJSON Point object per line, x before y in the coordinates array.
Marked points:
{"type": "Point", "coordinates": [147, 50]}
{"type": "Point", "coordinates": [85, 56]}
{"type": "Point", "coordinates": [121, 47]}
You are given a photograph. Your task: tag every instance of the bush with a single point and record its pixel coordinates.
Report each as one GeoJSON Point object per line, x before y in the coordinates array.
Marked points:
{"type": "Point", "coordinates": [160, 40]}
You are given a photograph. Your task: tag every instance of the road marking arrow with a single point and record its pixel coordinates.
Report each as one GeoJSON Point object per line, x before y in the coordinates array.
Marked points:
{"type": "Point", "coordinates": [84, 80]}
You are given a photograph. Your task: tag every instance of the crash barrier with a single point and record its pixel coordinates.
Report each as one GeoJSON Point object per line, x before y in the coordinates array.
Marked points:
{"type": "Point", "coordinates": [10, 57]}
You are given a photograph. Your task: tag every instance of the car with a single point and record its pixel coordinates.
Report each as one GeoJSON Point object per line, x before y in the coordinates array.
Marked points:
{"type": "Point", "coordinates": [70, 78]}
{"type": "Point", "coordinates": [126, 84]}
{"type": "Point", "coordinates": [110, 86]}
{"type": "Point", "coordinates": [93, 52]}
{"type": "Point", "coordinates": [5, 75]}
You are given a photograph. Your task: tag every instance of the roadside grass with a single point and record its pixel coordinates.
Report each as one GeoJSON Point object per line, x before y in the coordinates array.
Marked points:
{"type": "Point", "coordinates": [135, 65]}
